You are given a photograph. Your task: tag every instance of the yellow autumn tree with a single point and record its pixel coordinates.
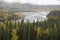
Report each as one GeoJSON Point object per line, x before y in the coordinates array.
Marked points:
{"type": "Point", "coordinates": [14, 36]}
{"type": "Point", "coordinates": [39, 32]}
{"type": "Point", "coordinates": [46, 33]}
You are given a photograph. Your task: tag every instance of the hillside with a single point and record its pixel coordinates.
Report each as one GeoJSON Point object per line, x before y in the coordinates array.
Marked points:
{"type": "Point", "coordinates": [54, 13]}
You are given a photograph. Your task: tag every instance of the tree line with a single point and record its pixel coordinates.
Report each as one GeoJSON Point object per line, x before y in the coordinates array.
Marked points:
{"type": "Point", "coordinates": [43, 30]}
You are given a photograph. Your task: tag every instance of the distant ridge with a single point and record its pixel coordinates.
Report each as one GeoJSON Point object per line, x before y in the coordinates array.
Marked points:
{"type": "Point", "coordinates": [27, 7]}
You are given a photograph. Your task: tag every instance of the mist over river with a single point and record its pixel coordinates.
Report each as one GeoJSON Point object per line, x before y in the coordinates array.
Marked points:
{"type": "Point", "coordinates": [31, 16]}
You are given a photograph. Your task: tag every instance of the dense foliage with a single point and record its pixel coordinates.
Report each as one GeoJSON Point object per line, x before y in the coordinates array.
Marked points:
{"type": "Point", "coordinates": [45, 30]}
{"type": "Point", "coordinates": [6, 15]}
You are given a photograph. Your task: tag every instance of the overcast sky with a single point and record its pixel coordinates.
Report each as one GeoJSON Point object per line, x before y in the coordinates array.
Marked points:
{"type": "Point", "coordinates": [37, 2]}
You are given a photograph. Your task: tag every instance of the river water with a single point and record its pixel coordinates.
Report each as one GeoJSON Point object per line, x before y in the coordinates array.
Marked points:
{"type": "Point", "coordinates": [31, 16]}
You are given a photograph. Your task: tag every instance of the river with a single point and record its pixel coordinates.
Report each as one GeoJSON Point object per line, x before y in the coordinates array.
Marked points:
{"type": "Point", "coordinates": [31, 16]}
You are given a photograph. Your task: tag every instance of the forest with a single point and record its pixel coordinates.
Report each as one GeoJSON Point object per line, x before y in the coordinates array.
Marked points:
{"type": "Point", "coordinates": [44, 30]}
